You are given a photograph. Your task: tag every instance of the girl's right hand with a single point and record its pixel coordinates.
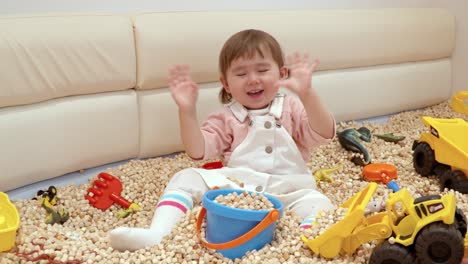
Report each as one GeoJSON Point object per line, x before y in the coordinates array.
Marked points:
{"type": "Point", "coordinates": [183, 89]}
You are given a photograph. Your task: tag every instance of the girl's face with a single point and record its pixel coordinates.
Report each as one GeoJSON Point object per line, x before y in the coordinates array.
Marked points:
{"type": "Point", "coordinates": [251, 81]}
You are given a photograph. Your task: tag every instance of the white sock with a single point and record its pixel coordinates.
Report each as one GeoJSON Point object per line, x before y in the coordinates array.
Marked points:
{"type": "Point", "coordinates": [172, 206]}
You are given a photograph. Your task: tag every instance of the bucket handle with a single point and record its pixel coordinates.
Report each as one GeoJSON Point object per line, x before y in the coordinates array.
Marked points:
{"type": "Point", "coordinates": [271, 217]}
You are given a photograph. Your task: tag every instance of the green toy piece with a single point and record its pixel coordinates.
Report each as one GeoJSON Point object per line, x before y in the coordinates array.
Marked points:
{"type": "Point", "coordinates": [390, 137]}
{"type": "Point", "coordinates": [59, 216]}
{"type": "Point", "coordinates": [349, 140]}
{"type": "Point", "coordinates": [47, 200]}
{"type": "Point", "coordinates": [133, 208]}
{"type": "Point", "coordinates": [323, 175]}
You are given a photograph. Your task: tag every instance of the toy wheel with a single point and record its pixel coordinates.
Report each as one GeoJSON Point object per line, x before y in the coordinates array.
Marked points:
{"type": "Point", "coordinates": [440, 169]}
{"type": "Point", "coordinates": [388, 253]}
{"type": "Point", "coordinates": [455, 180]}
{"type": "Point", "coordinates": [460, 220]}
{"type": "Point", "coordinates": [423, 159]}
{"type": "Point", "coordinates": [439, 243]}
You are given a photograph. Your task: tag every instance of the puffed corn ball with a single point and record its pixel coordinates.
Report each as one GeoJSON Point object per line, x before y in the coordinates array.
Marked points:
{"type": "Point", "coordinates": [245, 200]}
{"type": "Point", "coordinates": [324, 221]}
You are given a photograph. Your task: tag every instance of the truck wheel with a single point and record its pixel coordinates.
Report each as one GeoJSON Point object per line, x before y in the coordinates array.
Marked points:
{"type": "Point", "coordinates": [460, 219]}
{"type": "Point", "coordinates": [440, 169]}
{"type": "Point", "coordinates": [387, 253]}
{"type": "Point", "coordinates": [439, 243]}
{"type": "Point", "coordinates": [423, 159]}
{"type": "Point", "coordinates": [455, 180]}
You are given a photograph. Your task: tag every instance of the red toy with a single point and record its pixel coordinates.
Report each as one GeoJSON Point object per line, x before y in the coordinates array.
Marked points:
{"type": "Point", "coordinates": [212, 165]}
{"type": "Point", "coordinates": [106, 191]}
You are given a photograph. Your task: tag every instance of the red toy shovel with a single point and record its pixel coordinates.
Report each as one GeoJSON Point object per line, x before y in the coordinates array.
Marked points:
{"type": "Point", "coordinates": [106, 191]}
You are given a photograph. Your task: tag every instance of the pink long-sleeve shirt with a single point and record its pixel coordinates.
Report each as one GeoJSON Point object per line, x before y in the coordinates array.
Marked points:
{"type": "Point", "coordinates": [223, 131]}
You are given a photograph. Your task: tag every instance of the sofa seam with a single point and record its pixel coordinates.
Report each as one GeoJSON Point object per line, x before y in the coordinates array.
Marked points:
{"type": "Point", "coordinates": [135, 88]}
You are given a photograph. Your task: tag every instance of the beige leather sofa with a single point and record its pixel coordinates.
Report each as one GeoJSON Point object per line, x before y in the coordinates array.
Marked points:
{"type": "Point", "coordinates": [78, 91]}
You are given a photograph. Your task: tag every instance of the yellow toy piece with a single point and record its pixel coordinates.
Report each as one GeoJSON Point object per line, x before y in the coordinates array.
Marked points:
{"type": "Point", "coordinates": [458, 104]}
{"type": "Point", "coordinates": [47, 200]}
{"type": "Point", "coordinates": [446, 143]}
{"type": "Point", "coordinates": [404, 219]}
{"type": "Point", "coordinates": [466, 247]}
{"type": "Point", "coordinates": [133, 208]}
{"type": "Point", "coordinates": [324, 174]}
{"type": "Point", "coordinates": [53, 216]}
{"type": "Point", "coordinates": [9, 223]}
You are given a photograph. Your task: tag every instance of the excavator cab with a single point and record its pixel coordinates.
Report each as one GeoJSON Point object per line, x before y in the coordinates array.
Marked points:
{"type": "Point", "coordinates": [403, 220]}
{"type": "Point", "coordinates": [431, 223]}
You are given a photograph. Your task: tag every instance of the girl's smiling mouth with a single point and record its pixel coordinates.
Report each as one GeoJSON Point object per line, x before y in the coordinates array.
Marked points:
{"type": "Point", "coordinates": [255, 93]}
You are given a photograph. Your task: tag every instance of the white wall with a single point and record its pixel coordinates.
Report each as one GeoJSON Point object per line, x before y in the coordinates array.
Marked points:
{"type": "Point", "coordinates": [128, 6]}
{"type": "Point", "coordinates": [458, 7]}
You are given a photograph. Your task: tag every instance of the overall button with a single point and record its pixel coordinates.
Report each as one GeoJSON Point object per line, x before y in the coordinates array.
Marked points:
{"type": "Point", "coordinates": [259, 188]}
{"type": "Point", "coordinates": [267, 124]}
{"type": "Point", "coordinates": [268, 149]}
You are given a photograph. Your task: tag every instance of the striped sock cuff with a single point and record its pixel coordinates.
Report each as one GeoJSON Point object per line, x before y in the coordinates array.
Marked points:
{"type": "Point", "coordinates": [307, 223]}
{"type": "Point", "coordinates": [176, 199]}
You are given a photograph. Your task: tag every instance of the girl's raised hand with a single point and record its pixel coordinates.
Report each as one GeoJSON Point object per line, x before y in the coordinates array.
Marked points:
{"type": "Point", "coordinates": [183, 89]}
{"type": "Point", "coordinates": [300, 70]}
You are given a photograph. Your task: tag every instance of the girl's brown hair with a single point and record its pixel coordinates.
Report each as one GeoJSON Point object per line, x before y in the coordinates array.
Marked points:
{"type": "Point", "coordinates": [247, 43]}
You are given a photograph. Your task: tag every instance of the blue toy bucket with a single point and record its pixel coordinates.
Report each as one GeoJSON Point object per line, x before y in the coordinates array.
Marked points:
{"type": "Point", "coordinates": [232, 231]}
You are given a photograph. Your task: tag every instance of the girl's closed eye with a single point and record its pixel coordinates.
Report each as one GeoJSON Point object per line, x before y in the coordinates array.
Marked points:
{"type": "Point", "coordinates": [240, 74]}
{"type": "Point", "coordinates": [263, 70]}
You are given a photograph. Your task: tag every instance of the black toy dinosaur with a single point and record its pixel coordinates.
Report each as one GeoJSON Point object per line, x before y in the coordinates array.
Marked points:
{"type": "Point", "coordinates": [349, 140]}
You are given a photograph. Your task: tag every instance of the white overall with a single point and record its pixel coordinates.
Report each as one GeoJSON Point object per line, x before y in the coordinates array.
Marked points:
{"type": "Point", "coordinates": [268, 160]}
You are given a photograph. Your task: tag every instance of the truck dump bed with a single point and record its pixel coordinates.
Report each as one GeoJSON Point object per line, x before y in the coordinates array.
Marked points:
{"type": "Point", "coordinates": [450, 141]}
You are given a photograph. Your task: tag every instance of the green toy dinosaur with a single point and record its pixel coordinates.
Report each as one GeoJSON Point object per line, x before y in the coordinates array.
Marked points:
{"type": "Point", "coordinates": [349, 140]}
{"type": "Point", "coordinates": [389, 137]}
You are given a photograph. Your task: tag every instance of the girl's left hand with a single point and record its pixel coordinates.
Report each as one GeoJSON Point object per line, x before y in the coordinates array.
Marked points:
{"type": "Point", "coordinates": [299, 80]}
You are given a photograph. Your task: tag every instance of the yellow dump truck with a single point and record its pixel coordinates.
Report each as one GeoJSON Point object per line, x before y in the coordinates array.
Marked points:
{"type": "Point", "coordinates": [9, 223]}
{"type": "Point", "coordinates": [443, 151]}
{"type": "Point", "coordinates": [428, 229]}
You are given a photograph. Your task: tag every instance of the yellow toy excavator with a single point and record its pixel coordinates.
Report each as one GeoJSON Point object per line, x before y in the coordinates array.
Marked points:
{"type": "Point", "coordinates": [428, 229]}
{"type": "Point", "coordinates": [443, 151]}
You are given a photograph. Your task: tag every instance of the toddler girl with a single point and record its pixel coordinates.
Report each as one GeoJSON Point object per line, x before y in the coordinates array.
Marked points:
{"type": "Point", "coordinates": [264, 137]}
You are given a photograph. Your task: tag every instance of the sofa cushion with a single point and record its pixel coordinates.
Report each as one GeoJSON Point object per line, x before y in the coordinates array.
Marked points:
{"type": "Point", "coordinates": [342, 38]}
{"type": "Point", "coordinates": [45, 57]}
{"type": "Point", "coordinates": [48, 139]}
{"type": "Point", "coordinates": [348, 93]}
